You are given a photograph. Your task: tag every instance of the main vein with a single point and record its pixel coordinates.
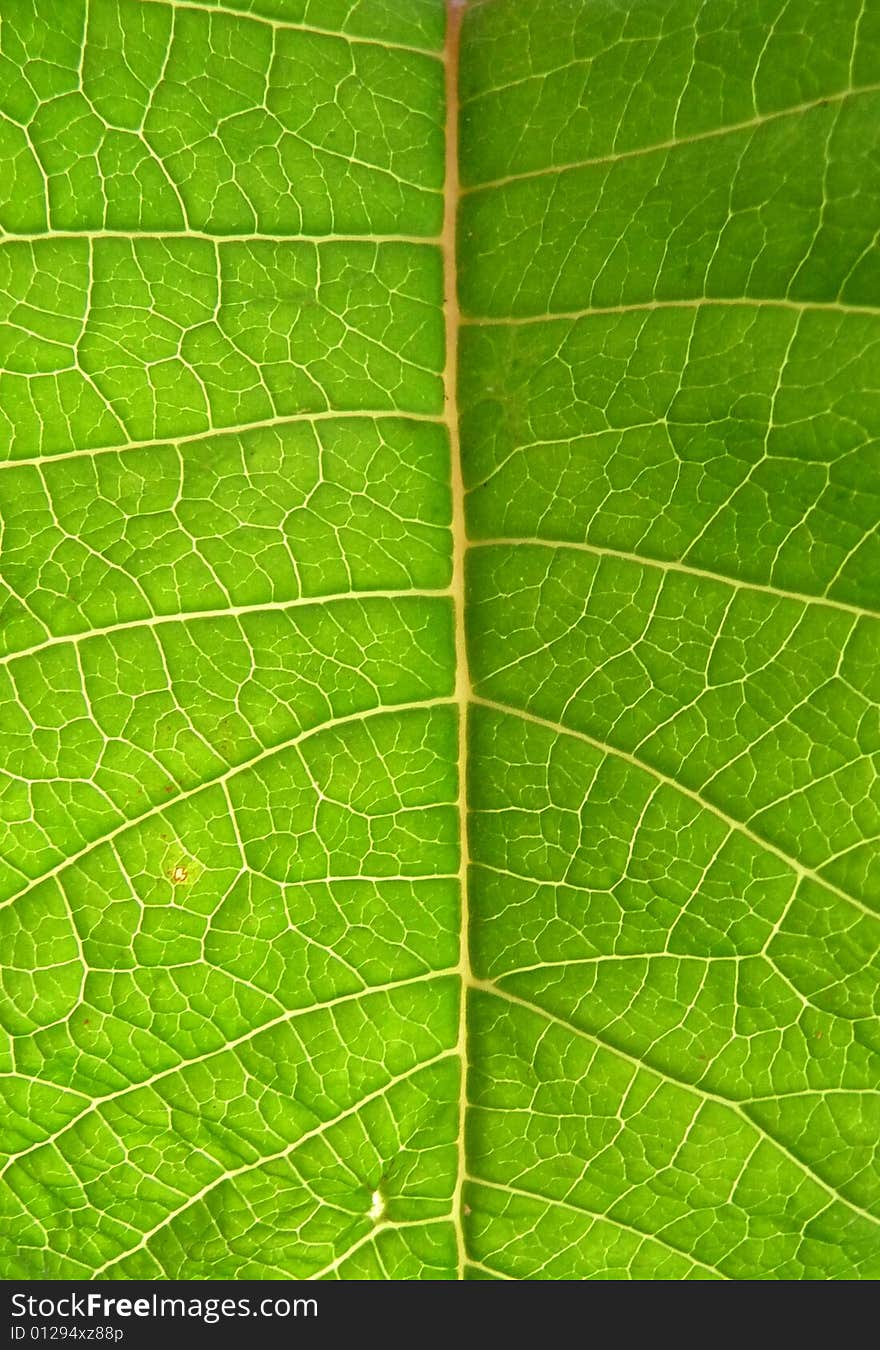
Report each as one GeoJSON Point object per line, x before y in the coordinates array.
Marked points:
{"type": "Point", "coordinates": [454, 13]}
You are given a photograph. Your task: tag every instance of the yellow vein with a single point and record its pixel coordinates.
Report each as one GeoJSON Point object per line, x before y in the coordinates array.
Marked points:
{"type": "Point", "coordinates": [495, 991]}
{"type": "Point", "coordinates": [454, 14]}
{"type": "Point", "coordinates": [674, 142]}
{"type": "Point", "coordinates": [266, 753]}
{"type": "Point", "coordinates": [234, 1173]}
{"type": "Point", "coordinates": [238, 429]}
{"type": "Point", "coordinates": [371, 1236]}
{"type": "Point", "coordinates": [597, 1216]}
{"type": "Point", "coordinates": [798, 867]}
{"type": "Point", "coordinates": [287, 25]}
{"type": "Point", "coordinates": [639, 306]}
{"type": "Point", "coordinates": [473, 1264]}
{"type": "Point", "coordinates": [230, 612]}
{"type": "Point", "coordinates": [246, 1038]}
{"type": "Point", "coordinates": [667, 565]}
{"type": "Point", "coordinates": [256, 237]}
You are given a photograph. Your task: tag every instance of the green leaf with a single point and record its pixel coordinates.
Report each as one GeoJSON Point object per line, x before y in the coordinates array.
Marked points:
{"type": "Point", "coordinates": [306, 512]}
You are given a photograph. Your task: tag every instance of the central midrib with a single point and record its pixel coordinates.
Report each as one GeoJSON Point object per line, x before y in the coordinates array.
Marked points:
{"type": "Point", "coordinates": [451, 190]}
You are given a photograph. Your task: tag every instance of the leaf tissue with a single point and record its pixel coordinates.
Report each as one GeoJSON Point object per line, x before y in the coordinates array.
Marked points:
{"type": "Point", "coordinates": [439, 663]}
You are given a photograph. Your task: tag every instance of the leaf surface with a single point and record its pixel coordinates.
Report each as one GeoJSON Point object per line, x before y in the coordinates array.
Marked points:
{"type": "Point", "coordinates": [306, 512]}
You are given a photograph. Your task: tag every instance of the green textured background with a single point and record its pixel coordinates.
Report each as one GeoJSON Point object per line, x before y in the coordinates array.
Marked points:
{"type": "Point", "coordinates": [228, 733]}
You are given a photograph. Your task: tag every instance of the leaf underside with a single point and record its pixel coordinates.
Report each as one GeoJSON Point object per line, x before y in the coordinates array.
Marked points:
{"type": "Point", "coordinates": [230, 842]}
